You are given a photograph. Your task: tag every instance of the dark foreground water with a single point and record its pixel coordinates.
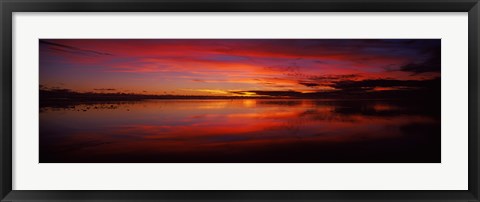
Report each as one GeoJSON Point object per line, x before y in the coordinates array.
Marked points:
{"type": "Point", "coordinates": [241, 131]}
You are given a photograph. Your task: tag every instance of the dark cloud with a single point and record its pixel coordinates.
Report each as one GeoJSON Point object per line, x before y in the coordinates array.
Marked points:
{"type": "Point", "coordinates": [287, 70]}
{"type": "Point", "coordinates": [71, 49]}
{"type": "Point", "coordinates": [105, 89]}
{"type": "Point", "coordinates": [431, 64]}
{"type": "Point", "coordinates": [324, 80]}
{"type": "Point", "coordinates": [308, 84]}
{"type": "Point", "coordinates": [400, 89]}
{"type": "Point", "coordinates": [368, 47]}
{"type": "Point", "coordinates": [333, 77]}
{"type": "Point", "coordinates": [270, 93]}
{"type": "Point", "coordinates": [370, 84]}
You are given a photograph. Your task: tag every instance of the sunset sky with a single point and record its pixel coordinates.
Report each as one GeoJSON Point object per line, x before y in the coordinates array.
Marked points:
{"type": "Point", "coordinates": [236, 66]}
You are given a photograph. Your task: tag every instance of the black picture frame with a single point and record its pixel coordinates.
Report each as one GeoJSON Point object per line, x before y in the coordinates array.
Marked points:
{"type": "Point", "coordinates": [10, 6]}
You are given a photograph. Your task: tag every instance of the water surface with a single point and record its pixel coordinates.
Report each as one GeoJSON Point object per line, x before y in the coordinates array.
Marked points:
{"type": "Point", "coordinates": [241, 131]}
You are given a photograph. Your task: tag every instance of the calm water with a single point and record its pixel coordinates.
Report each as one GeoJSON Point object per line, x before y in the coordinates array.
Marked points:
{"type": "Point", "coordinates": [316, 131]}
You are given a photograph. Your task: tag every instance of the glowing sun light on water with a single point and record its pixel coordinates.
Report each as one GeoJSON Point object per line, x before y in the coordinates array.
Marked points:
{"type": "Point", "coordinates": [249, 103]}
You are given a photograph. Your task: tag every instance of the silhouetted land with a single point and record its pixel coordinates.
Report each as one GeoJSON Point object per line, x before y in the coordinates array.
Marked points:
{"type": "Point", "coordinates": [65, 97]}
{"type": "Point", "coordinates": [428, 89]}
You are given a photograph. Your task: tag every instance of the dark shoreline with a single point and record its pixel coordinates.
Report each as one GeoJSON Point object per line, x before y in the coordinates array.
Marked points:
{"type": "Point", "coordinates": [62, 98]}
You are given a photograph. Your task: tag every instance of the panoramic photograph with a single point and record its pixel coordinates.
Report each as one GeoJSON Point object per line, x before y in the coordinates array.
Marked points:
{"type": "Point", "coordinates": [240, 100]}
